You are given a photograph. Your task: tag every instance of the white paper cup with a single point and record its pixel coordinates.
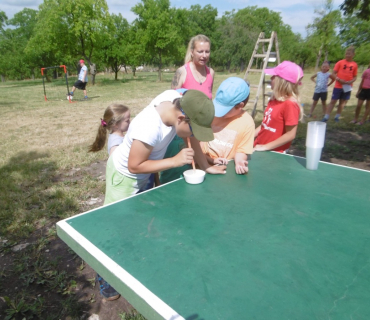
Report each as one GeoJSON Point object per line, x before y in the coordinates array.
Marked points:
{"type": "Point", "coordinates": [313, 156]}
{"type": "Point", "coordinates": [315, 134]}
{"type": "Point", "coordinates": [194, 176]}
{"type": "Point", "coordinates": [315, 140]}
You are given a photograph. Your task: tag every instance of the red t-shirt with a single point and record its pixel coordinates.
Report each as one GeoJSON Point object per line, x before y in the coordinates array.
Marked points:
{"type": "Point", "coordinates": [278, 114]}
{"type": "Point", "coordinates": [345, 71]}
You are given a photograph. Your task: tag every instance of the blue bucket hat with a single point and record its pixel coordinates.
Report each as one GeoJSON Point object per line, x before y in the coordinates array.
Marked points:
{"type": "Point", "coordinates": [232, 91]}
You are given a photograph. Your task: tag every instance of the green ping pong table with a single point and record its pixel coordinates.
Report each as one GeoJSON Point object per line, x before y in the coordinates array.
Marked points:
{"type": "Point", "coordinates": [279, 243]}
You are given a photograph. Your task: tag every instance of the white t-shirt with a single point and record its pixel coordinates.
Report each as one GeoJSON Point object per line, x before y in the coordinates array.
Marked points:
{"type": "Point", "coordinates": [147, 127]}
{"type": "Point", "coordinates": [81, 74]}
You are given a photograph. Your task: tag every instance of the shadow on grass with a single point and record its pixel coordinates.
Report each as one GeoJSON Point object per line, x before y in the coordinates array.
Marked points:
{"type": "Point", "coordinates": [28, 194]}
{"type": "Point", "coordinates": [44, 275]}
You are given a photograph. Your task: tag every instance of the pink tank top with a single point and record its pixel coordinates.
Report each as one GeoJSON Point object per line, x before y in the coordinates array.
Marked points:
{"type": "Point", "coordinates": [191, 83]}
{"type": "Point", "coordinates": [366, 78]}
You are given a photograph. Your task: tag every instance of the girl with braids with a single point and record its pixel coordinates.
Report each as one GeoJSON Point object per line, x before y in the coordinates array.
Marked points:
{"type": "Point", "coordinates": [116, 121]}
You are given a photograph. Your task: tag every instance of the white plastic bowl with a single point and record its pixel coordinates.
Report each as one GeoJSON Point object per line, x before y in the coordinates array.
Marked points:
{"type": "Point", "coordinates": [194, 176]}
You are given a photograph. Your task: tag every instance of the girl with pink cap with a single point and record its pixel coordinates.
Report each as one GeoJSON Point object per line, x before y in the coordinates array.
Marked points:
{"type": "Point", "coordinates": [280, 122]}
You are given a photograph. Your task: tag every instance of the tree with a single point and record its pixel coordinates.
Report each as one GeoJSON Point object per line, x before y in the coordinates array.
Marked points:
{"type": "Point", "coordinates": [355, 31]}
{"type": "Point", "coordinates": [156, 30]}
{"type": "Point", "coordinates": [14, 63]}
{"type": "Point", "coordinates": [234, 42]}
{"type": "Point", "coordinates": [237, 33]}
{"type": "Point", "coordinates": [362, 7]}
{"type": "Point", "coordinates": [266, 20]}
{"type": "Point", "coordinates": [322, 32]}
{"type": "Point", "coordinates": [135, 49]}
{"type": "Point", "coordinates": [202, 20]}
{"type": "Point", "coordinates": [114, 49]}
{"type": "Point", "coordinates": [68, 30]}
{"type": "Point", "coordinates": [3, 19]}
{"type": "Point", "coordinates": [3, 62]}
{"type": "Point", "coordinates": [24, 23]}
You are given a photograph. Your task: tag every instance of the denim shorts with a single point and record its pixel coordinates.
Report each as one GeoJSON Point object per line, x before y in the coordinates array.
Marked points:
{"type": "Point", "coordinates": [339, 94]}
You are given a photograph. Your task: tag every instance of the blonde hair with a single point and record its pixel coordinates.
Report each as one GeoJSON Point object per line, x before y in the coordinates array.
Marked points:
{"type": "Point", "coordinates": [113, 114]}
{"type": "Point", "coordinates": [191, 45]}
{"type": "Point", "coordinates": [285, 90]}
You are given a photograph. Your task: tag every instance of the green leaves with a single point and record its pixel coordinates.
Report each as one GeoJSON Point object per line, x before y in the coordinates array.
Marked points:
{"type": "Point", "coordinates": [362, 7]}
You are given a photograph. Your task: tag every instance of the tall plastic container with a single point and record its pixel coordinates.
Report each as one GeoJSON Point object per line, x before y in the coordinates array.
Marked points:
{"type": "Point", "coordinates": [314, 143]}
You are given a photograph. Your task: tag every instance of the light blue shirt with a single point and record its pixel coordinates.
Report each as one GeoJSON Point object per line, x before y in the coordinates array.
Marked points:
{"type": "Point", "coordinates": [81, 75]}
{"type": "Point", "coordinates": [114, 140]}
{"type": "Point", "coordinates": [322, 82]}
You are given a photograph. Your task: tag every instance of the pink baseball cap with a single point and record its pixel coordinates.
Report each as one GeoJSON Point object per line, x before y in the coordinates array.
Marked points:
{"type": "Point", "coordinates": [287, 70]}
{"type": "Point", "coordinates": [82, 61]}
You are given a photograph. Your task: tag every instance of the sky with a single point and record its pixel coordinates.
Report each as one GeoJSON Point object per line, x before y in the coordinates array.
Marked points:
{"type": "Point", "coordinates": [296, 13]}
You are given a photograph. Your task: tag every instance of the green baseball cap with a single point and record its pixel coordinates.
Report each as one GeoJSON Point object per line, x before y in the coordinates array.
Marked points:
{"type": "Point", "coordinates": [200, 110]}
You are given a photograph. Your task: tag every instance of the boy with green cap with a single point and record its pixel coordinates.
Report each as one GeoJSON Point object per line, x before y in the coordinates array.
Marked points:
{"type": "Point", "coordinates": [142, 150]}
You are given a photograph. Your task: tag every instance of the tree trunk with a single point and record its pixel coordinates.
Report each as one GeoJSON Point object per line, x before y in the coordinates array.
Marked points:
{"type": "Point", "coordinates": [160, 67]}
{"type": "Point", "coordinates": [326, 55]}
{"type": "Point", "coordinates": [93, 72]}
{"type": "Point", "coordinates": [33, 74]}
{"type": "Point", "coordinates": [2, 78]}
{"type": "Point", "coordinates": [134, 71]}
{"type": "Point", "coordinates": [318, 59]}
{"type": "Point", "coordinates": [116, 74]}
{"type": "Point", "coordinates": [242, 65]}
{"type": "Point", "coordinates": [55, 74]}
{"type": "Point", "coordinates": [125, 69]}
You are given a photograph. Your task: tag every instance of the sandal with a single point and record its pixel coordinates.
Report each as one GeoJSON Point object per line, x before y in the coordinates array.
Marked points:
{"type": "Point", "coordinates": [353, 121]}
{"type": "Point", "coordinates": [360, 123]}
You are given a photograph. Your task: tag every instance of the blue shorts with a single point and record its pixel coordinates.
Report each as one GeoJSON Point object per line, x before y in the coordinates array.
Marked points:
{"type": "Point", "coordinates": [339, 94]}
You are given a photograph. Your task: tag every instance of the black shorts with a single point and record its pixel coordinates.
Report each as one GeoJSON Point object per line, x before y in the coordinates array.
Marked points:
{"type": "Point", "coordinates": [80, 85]}
{"type": "Point", "coordinates": [364, 94]}
{"type": "Point", "coordinates": [320, 95]}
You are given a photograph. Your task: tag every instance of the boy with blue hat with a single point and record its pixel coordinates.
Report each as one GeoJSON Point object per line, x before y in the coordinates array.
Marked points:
{"type": "Point", "coordinates": [233, 128]}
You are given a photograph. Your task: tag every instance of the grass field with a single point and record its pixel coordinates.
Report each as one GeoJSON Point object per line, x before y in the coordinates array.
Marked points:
{"type": "Point", "coordinates": [46, 176]}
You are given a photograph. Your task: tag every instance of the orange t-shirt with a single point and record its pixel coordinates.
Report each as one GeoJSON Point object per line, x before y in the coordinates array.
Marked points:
{"type": "Point", "coordinates": [345, 71]}
{"type": "Point", "coordinates": [232, 135]}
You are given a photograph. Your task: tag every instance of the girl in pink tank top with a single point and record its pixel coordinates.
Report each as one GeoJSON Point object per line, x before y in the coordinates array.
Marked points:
{"type": "Point", "coordinates": [191, 83]}
{"type": "Point", "coordinates": [195, 74]}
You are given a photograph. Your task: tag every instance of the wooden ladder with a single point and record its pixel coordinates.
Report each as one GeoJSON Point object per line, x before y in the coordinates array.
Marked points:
{"type": "Point", "coordinates": [267, 56]}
